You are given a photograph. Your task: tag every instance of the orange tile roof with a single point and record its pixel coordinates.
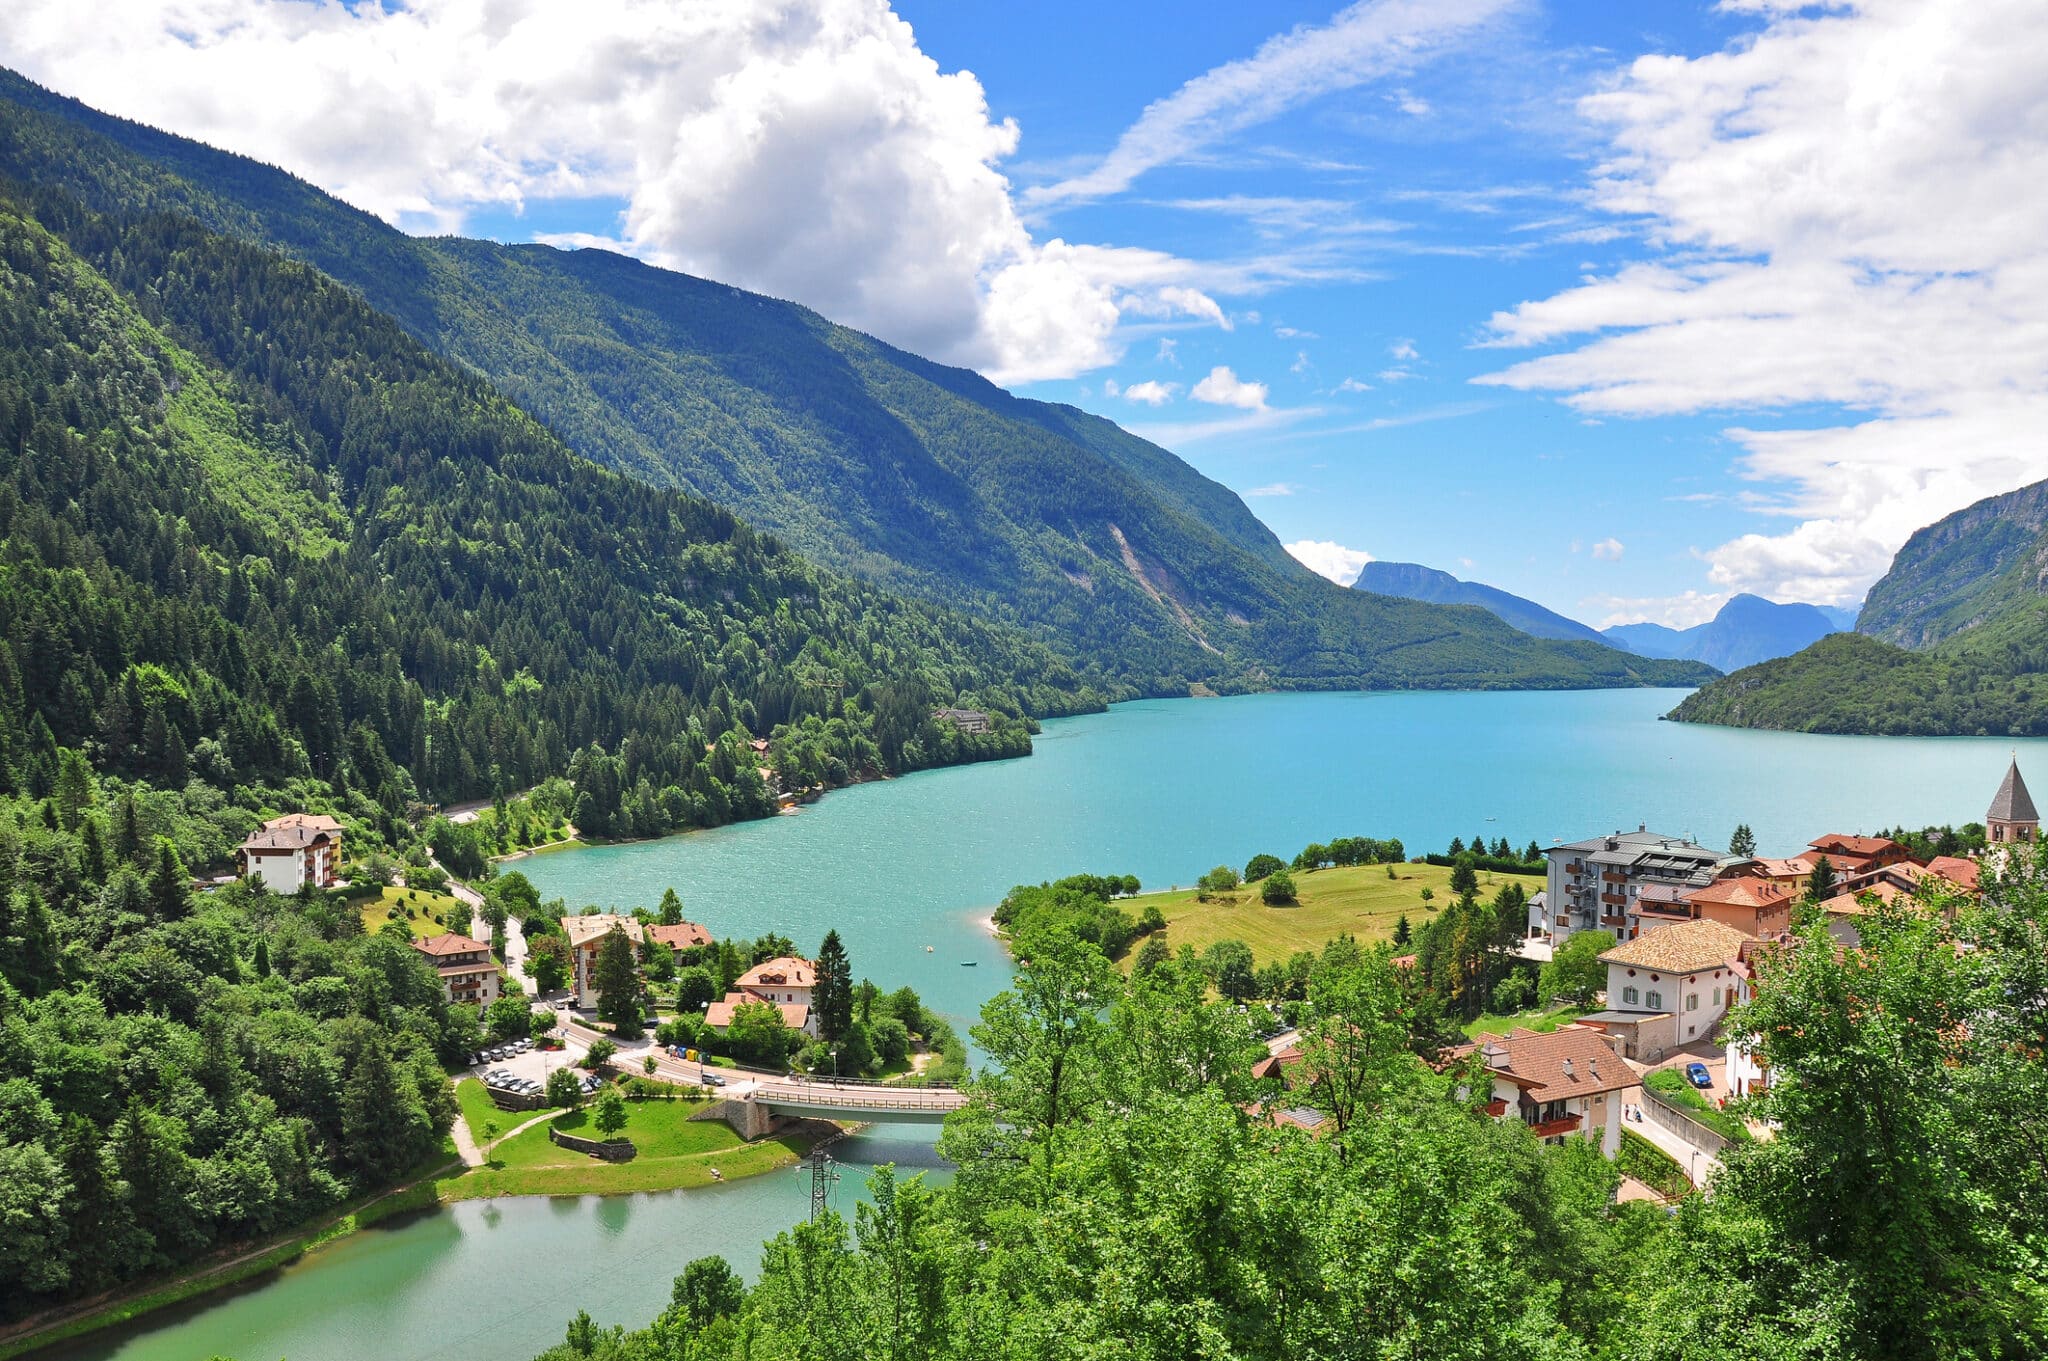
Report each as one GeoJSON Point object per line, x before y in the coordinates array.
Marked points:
{"type": "Point", "coordinates": [1569, 1061]}
{"type": "Point", "coordinates": [1958, 871]}
{"type": "Point", "coordinates": [786, 972]}
{"type": "Point", "coordinates": [1791, 867]}
{"type": "Point", "coordinates": [450, 943]}
{"type": "Point", "coordinates": [1686, 947]}
{"type": "Point", "coordinates": [1855, 845]}
{"type": "Point", "coordinates": [795, 1015]}
{"type": "Point", "coordinates": [679, 937]}
{"type": "Point", "coordinates": [319, 822]}
{"type": "Point", "coordinates": [1741, 893]}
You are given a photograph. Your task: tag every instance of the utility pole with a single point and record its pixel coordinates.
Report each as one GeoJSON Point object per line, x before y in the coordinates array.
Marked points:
{"type": "Point", "coordinates": [824, 1173]}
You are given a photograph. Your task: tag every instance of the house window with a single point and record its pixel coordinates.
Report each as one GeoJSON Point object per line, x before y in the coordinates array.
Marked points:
{"type": "Point", "coordinates": [1655, 1000]}
{"type": "Point", "coordinates": [1717, 997]}
{"type": "Point", "coordinates": [1692, 1001]}
{"type": "Point", "coordinates": [1628, 996]}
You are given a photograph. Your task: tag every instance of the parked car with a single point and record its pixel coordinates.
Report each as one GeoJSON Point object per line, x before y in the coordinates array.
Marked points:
{"type": "Point", "coordinates": [1698, 1076]}
{"type": "Point", "coordinates": [713, 1080]}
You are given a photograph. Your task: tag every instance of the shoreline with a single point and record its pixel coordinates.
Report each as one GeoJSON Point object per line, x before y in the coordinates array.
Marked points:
{"type": "Point", "coordinates": [431, 1192]}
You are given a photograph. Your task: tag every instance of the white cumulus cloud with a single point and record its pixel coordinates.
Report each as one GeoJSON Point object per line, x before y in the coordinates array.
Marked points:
{"type": "Point", "coordinates": [1333, 560]}
{"type": "Point", "coordinates": [1843, 219]}
{"type": "Point", "coordinates": [1608, 550]}
{"type": "Point", "coordinates": [1223, 387]}
{"type": "Point", "coordinates": [803, 148]}
{"type": "Point", "coordinates": [1151, 392]}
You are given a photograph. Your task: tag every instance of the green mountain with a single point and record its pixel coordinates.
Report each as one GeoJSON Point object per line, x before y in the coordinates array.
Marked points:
{"type": "Point", "coordinates": [912, 475]}
{"type": "Point", "coordinates": [1952, 641]}
{"type": "Point", "coordinates": [1413, 581]}
{"type": "Point", "coordinates": [252, 533]}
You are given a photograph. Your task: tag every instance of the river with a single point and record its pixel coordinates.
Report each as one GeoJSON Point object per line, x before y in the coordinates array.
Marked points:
{"type": "Point", "coordinates": [1160, 789]}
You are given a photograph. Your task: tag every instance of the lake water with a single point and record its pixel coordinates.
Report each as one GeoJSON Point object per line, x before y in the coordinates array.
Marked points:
{"type": "Point", "coordinates": [1160, 789]}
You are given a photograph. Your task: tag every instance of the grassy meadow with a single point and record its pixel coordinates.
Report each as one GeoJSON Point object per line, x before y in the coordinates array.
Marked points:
{"type": "Point", "coordinates": [1360, 899]}
{"type": "Point", "coordinates": [421, 911]}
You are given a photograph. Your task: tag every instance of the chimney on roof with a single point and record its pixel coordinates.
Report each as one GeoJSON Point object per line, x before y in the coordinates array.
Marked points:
{"type": "Point", "coordinates": [1593, 1067]}
{"type": "Point", "coordinates": [1642, 826]}
{"type": "Point", "coordinates": [1494, 1055]}
{"type": "Point", "coordinates": [1568, 1068]}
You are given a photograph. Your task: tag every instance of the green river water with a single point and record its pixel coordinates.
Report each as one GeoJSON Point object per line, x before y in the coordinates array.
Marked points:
{"type": "Point", "coordinates": [1160, 789]}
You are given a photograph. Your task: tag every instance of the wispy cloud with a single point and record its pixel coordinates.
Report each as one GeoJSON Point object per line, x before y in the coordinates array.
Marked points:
{"type": "Point", "coordinates": [1222, 387]}
{"type": "Point", "coordinates": [1274, 489]}
{"type": "Point", "coordinates": [1364, 42]}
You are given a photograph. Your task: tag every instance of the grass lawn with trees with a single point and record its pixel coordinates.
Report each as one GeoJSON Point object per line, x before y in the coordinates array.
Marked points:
{"type": "Point", "coordinates": [1542, 1020]}
{"type": "Point", "coordinates": [1360, 899]}
{"type": "Point", "coordinates": [429, 910]}
{"type": "Point", "coordinates": [674, 1152]}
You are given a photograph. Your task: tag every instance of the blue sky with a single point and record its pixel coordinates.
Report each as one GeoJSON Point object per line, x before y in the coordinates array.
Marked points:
{"type": "Point", "coordinates": [1625, 318]}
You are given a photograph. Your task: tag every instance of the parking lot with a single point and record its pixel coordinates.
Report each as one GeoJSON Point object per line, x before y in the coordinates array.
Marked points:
{"type": "Point", "coordinates": [532, 1064]}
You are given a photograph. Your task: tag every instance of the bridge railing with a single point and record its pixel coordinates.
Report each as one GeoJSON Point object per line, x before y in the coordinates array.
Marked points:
{"type": "Point", "coordinates": [839, 1100]}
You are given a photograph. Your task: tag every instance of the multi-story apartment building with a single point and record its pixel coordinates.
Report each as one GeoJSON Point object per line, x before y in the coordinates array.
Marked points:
{"type": "Point", "coordinates": [1597, 884]}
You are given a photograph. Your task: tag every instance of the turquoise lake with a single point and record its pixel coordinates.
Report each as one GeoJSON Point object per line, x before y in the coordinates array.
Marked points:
{"type": "Point", "coordinates": [1160, 789]}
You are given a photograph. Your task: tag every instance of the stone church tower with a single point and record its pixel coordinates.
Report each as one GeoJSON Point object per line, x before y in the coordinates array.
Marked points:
{"type": "Point", "coordinates": [2012, 817]}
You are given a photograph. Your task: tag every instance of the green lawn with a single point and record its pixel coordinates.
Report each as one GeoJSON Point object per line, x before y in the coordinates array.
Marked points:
{"type": "Point", "coordinates": [674, 1151]}
{"type": "Point", "coordinates": [1542, 1020]}
{"type": "Point", "coordinates": [428, 911]}
{"type": "Point", "coordinates": [1671, 1084]}
{"type": "Point", "coordinates": [1360, 899]}
{"type": "Point", "coordinates": [477, 1107]}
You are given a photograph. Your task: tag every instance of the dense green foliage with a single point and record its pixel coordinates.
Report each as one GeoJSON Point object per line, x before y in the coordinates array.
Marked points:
{"type": "Point", "coordinates": [915, 476]}
{"type": "Point", "coordinates": [180, 1073]}
{"type": "Point", "coordinates": [1121, 1191]}
{"type": "Point", "coordinates": [1080, 905]}
{"type": "Point", "coordinates": [1969, 592]}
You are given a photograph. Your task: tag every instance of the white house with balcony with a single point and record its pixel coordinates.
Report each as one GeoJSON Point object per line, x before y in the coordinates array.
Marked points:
{"type": "Point", "coordinates": [1688, 970]}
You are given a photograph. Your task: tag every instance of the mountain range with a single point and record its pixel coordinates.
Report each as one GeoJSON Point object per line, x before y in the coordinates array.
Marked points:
{"type": "Point", "coordinates": [1413, 581]}
{"type": "Point", "coordinates": [1143, 576]}
{"type": "Point", "coordinates": [1953, 640]}
{"type": "Point", "coordinates": [1746, 629]}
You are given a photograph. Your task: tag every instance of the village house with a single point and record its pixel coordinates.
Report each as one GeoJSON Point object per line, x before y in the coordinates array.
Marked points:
{"type": "Point", "coordinates": [682, 936]}
{"type": "Point", "coordinates": [289, 852]}
{"type": "Point", "coordinates": [1567, 1084]}
{"type": "Point", "coordinates": [586, 937]}
{"type": "Point", "coordinates": [1598, 884]}
{"type": "Point", "coordinates": [1683, 971]}
{"type": "Point", "coordinates": [468, 972]}
{"type": "Point", "coordinates": [785, 983]}
{"type": "Point", "coordinates": [966, 720]}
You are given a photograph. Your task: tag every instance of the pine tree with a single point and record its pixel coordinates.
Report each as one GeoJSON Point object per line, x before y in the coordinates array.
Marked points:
{"type": "Point", "coordinates": [671, 908]}
{"type": "Point", "coordinates": [1743, 843]}
{"type": "Point", "coordinates": [618, 984]}
{"type": "Point", "coordinates": [1820, 885]}
{"type": "Point", "coordinates": [1403, 933]}
{"type": "Point", "coordinates": [170, 887]}
{"type": "Point", "coordinates": [832, 997]}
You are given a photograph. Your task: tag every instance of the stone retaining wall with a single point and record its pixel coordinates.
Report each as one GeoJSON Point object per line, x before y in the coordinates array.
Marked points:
{"type": "Point", "coordinates": [611, 1150]}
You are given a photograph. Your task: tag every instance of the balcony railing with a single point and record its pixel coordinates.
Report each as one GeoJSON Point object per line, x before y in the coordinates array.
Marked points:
{"type": "Point", "coordinates": [1564, 1124]}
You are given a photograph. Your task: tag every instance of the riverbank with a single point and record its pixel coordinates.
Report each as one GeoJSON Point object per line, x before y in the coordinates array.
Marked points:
{"type": "Point", "coordinates": [678, 1149]}
{"type": "Point", "coordinates": [228, 1268]}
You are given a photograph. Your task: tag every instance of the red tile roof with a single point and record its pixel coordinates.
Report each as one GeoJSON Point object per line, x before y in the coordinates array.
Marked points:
{"type": "Point", "coordinates": [1742, 893]}
{"type": "Point", "coordinates": [450, 943]}
{"type": "Point", "coordinates": [1570, 1061]}
{"type": "Point", "coordinates": [679, 937]}
{"type": "Point", "coordinates": [1958, 871]}
{"type": "Point", "coordinates": [786, 972]}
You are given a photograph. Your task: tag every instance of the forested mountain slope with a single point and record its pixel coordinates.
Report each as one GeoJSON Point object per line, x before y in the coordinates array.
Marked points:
{"type": "Point", "coordinates": [1970, 593]}
{"type": "Point", "coordinates": [908, 473]}
{"type": "Point", "coordinates": [252, 532]}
